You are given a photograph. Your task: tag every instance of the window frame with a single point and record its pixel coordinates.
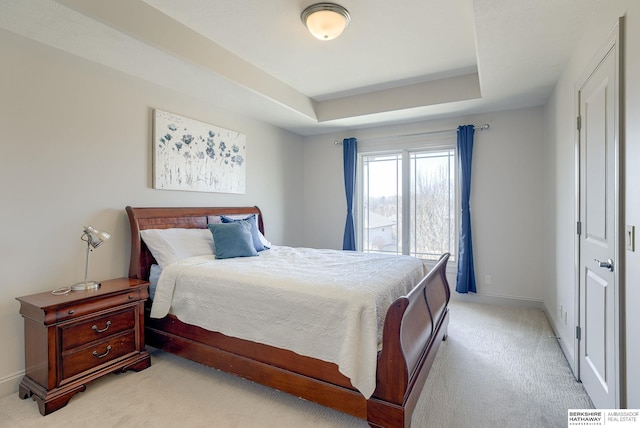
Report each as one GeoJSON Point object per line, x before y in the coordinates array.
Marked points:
{"type": "Point", "coordinates": [394, 146]}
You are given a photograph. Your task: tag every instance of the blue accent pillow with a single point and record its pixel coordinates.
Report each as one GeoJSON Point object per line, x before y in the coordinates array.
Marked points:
{"type": "Point", "coordinates": [255, 234]}
{"type": "Point", "coordinates": [232, 240]}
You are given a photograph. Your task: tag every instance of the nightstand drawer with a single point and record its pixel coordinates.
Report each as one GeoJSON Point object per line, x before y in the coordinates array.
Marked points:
{"type": "Point", "coordinates": [75, 335]}
{"type": "Point", "coordinates": [75, 310]}
{"type": "Point", "coordinates": [83, 359]}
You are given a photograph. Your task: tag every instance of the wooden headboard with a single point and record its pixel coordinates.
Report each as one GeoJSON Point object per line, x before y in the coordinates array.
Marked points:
{"type": "Point", "coordinates": [164, 218]}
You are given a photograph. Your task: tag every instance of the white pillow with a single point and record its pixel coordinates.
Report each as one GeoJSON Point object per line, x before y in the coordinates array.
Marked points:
{"type": "Point", "coordinates": [170, 245]}
{"type": "Point", "coordinates": [265, 241]}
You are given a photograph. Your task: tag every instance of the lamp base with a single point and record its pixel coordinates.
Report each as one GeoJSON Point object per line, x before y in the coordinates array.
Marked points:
{"type": "Point", "coordinates": [89, 285]}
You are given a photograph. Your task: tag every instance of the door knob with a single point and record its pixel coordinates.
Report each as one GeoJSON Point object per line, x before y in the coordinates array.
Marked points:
{"type": "Point", "coordinates": [608, 264]}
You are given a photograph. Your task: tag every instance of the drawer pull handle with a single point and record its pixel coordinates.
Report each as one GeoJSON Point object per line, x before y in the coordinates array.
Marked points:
{"type": "Point", "coordinates": [95, 353]}
{"type": "Point", "coordinates": [72, 311]}
{"type": "Point", "coordinates": [130, 296]}
{"type": "Point", "coordinates": [97, 330]}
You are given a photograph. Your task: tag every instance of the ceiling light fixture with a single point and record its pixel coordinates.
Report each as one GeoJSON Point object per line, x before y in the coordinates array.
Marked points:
{"type": "Point", "coordinates": [325, 21]}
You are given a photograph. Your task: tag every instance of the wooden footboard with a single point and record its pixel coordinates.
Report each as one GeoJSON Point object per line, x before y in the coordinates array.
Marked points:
{"type": "Point", "coordinates": [414, 327]}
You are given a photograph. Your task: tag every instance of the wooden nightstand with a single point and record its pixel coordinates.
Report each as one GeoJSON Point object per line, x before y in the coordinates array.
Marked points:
{"type": "Point", "coordinates": [73, 339]}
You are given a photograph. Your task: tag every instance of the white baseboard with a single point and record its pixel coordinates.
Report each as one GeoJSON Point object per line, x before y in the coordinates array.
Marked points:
{"type": "Point", "coordinates": [568, 355]}
{"type": "Point", "coordinates": [9, 384]}
{"type": "Point", "coordinates": [497, 300]}
{"type": "Point", "coordinates": [566, 350]}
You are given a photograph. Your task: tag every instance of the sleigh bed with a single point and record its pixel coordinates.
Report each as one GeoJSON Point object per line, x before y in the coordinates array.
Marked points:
{"type": "Point", "coordinates": [412, 330]}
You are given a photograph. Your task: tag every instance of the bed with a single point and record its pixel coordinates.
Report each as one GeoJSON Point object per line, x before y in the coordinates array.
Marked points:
{"type": "Point", "coordinates": [412, 330]}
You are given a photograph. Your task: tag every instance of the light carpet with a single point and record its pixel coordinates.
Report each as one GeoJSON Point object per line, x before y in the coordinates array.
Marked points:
{"type": "Point", "coordinates": [500, 367]}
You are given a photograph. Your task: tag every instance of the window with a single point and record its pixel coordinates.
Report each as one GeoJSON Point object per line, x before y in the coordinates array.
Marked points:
{"type": "Point", "coordinates": [408, 202]}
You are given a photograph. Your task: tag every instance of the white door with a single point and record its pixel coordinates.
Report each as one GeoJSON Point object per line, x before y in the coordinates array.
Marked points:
{"type": "Point", "coordinates": [599, 230]}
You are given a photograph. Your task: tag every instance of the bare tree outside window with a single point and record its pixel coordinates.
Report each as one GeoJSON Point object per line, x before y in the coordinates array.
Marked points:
{"type": "Point", "coordinates": [430, 213]}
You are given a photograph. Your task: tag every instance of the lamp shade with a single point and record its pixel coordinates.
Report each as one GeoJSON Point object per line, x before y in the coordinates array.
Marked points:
{"type": "Point", "coordinates": [325, 21]}
{"type": "Point", "coordinates": [95, 237]}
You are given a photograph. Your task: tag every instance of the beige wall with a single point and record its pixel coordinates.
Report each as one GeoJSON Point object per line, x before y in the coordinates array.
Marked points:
{"type": "Point", "coordinates": [560, 114]}
{"type": "Point", "coordinates": [632, 202]}
{"type": "Point", "coordinates": [76, 149]}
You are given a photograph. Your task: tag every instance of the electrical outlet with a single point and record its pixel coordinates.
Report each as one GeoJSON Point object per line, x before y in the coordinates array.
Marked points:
{"type": "Point", "coordinates": [488, 280]}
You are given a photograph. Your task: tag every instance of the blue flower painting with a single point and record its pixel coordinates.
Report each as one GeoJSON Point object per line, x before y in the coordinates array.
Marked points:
{"type": "Point", "coordinates": [193, 155]}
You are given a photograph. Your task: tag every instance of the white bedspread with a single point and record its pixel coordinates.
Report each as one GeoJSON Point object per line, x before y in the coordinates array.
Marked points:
{"type": "Point", "coordinates": [325, 304]}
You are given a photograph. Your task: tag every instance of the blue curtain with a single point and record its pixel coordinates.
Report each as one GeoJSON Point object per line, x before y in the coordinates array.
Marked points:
{"type": "Point", "coordinates": [466, 277]}
{"type": "Point", "coordinates": [350, 151]}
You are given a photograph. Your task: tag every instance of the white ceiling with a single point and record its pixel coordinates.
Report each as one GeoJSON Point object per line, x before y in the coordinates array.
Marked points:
{"type": "Point", "coordinates": [396, 62]}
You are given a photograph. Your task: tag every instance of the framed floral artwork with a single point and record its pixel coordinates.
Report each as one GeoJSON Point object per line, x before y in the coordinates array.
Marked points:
{"type": "Point", "coordinates": [196, 156]}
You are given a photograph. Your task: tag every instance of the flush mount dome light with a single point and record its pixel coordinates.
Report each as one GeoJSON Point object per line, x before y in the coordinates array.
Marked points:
{"type": "Point", "coordinates": [325, 21]}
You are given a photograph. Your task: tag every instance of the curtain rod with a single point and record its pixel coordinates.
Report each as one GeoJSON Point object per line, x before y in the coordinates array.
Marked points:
{"type": "Point", "coordinates": [477, 128]}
